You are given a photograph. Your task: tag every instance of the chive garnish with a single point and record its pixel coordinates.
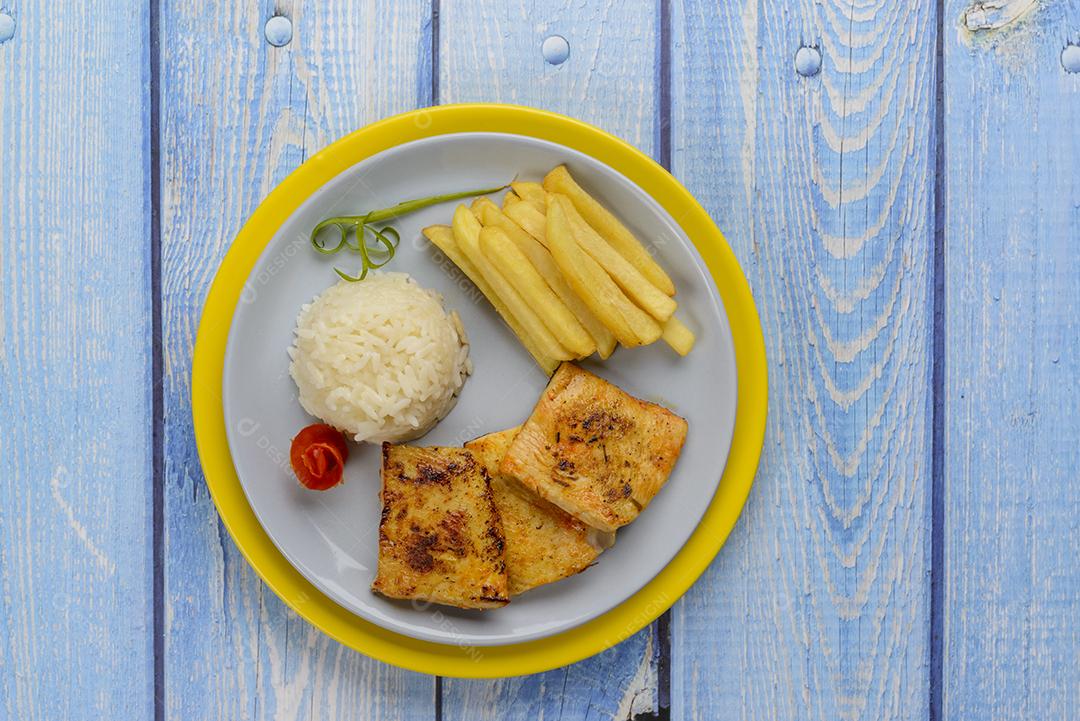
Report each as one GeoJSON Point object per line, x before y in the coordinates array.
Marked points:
{"type": "Point", "coordinates": [353, 231]}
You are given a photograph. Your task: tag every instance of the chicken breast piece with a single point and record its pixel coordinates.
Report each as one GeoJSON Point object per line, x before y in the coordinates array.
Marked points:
{"type": "Point", "coordinates": [440, 537]}
{"type": "Point", "coordinates": [593, 450]}
{"type": "Point", "coordinates": [544, 543]}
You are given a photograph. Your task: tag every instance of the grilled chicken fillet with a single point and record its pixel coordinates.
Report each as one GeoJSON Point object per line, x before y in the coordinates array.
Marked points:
{"type": "Point", "coordinates": [544, 543]}
{"type": "Point", "coordinates": [440, 537]}
{"type": "Point", "coordinates": [593, 450]}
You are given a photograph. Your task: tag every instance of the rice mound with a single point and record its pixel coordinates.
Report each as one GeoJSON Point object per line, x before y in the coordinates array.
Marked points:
{"type": "Point", "coordinates": [379, 359]}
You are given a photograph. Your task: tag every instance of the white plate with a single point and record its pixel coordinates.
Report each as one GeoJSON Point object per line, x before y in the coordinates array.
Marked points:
{"type": "Point", "coordinates": [332, 537]}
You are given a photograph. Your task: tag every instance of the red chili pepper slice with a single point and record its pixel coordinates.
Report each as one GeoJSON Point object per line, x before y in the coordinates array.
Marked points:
{"type": "Point", "coordinates": [318, 456]}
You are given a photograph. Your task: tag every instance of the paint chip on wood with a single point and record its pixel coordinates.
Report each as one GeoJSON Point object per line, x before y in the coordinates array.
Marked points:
{"type": "Point", "coordinates": [278, 31]}
{"type": "Point", "coordinates": [555, 49]}
{"type": "Point", "coordinates": [994, 14]}
{"type": "Point", "coordinates": [808, 61]}
{"type": "Point", "coordinates": [1070, 58]}
{"type": "Point", "coordinates": [7, 27]}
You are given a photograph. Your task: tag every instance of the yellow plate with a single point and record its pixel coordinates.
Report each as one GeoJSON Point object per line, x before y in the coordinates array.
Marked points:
{"type": "Point", "coordinates": [531, 656]}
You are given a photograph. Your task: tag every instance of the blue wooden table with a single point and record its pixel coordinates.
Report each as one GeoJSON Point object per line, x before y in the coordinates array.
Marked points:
{"type": "Point", "coordinates": [900, 180]}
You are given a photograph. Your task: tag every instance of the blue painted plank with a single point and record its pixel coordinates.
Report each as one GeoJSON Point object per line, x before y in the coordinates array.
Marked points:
{"type": "Point", "coordinates": [1012, 286]}
{"type": "Point", "coordinates": [237, 116]}
{"type": "Point", "coordinates": [492, 51]}
{"type": "Point", "coordinates": [75, 363]}
{"type": "Point", "coordinates": [819, 607]}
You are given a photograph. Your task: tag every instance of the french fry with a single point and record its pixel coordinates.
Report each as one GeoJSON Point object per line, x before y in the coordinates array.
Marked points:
{"type": "Point", "coordinates": [529, 218]}
{"type": "Point", "coordinates": [467, 234]}
{"type": "Point", "coordinates": [609, 227]}
{"type": "Point", "coordinates": [638, 288]}
{"type": "Point", "coordinates": [490, 215]}
{"type": "Point", "coordinates": [442, 236]}
{"type": "Point", "coordinates": [678, 336]}
{"type": "Point", "coordinates": [630, 325]}
{"type": "Point", "coordinates": [534, 290]}
{"type": "Point", "coordinates": [532, 193]}
{"type": "Point", "coordinates": [510, 198]}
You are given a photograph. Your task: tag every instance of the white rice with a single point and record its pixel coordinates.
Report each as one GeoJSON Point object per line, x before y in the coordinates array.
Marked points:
{"type": "Point", "coordinates": [379, 359]}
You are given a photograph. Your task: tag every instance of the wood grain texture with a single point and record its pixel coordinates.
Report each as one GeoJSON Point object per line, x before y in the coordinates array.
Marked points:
{"type": "Point", "coordinates": [1012, 502]}
{"type": "Point", "coordinates": [75, 558]}
{"type": "Point", "coordinates": [491, 51]}
{"type": "Point", "coordinates": [237, 115]}
{"type": "Point", "coordinates": [819, 607]}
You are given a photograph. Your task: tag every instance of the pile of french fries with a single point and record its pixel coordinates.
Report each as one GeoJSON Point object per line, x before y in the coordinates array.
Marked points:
{"type": "Point", "coordinates": [567, 277]}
